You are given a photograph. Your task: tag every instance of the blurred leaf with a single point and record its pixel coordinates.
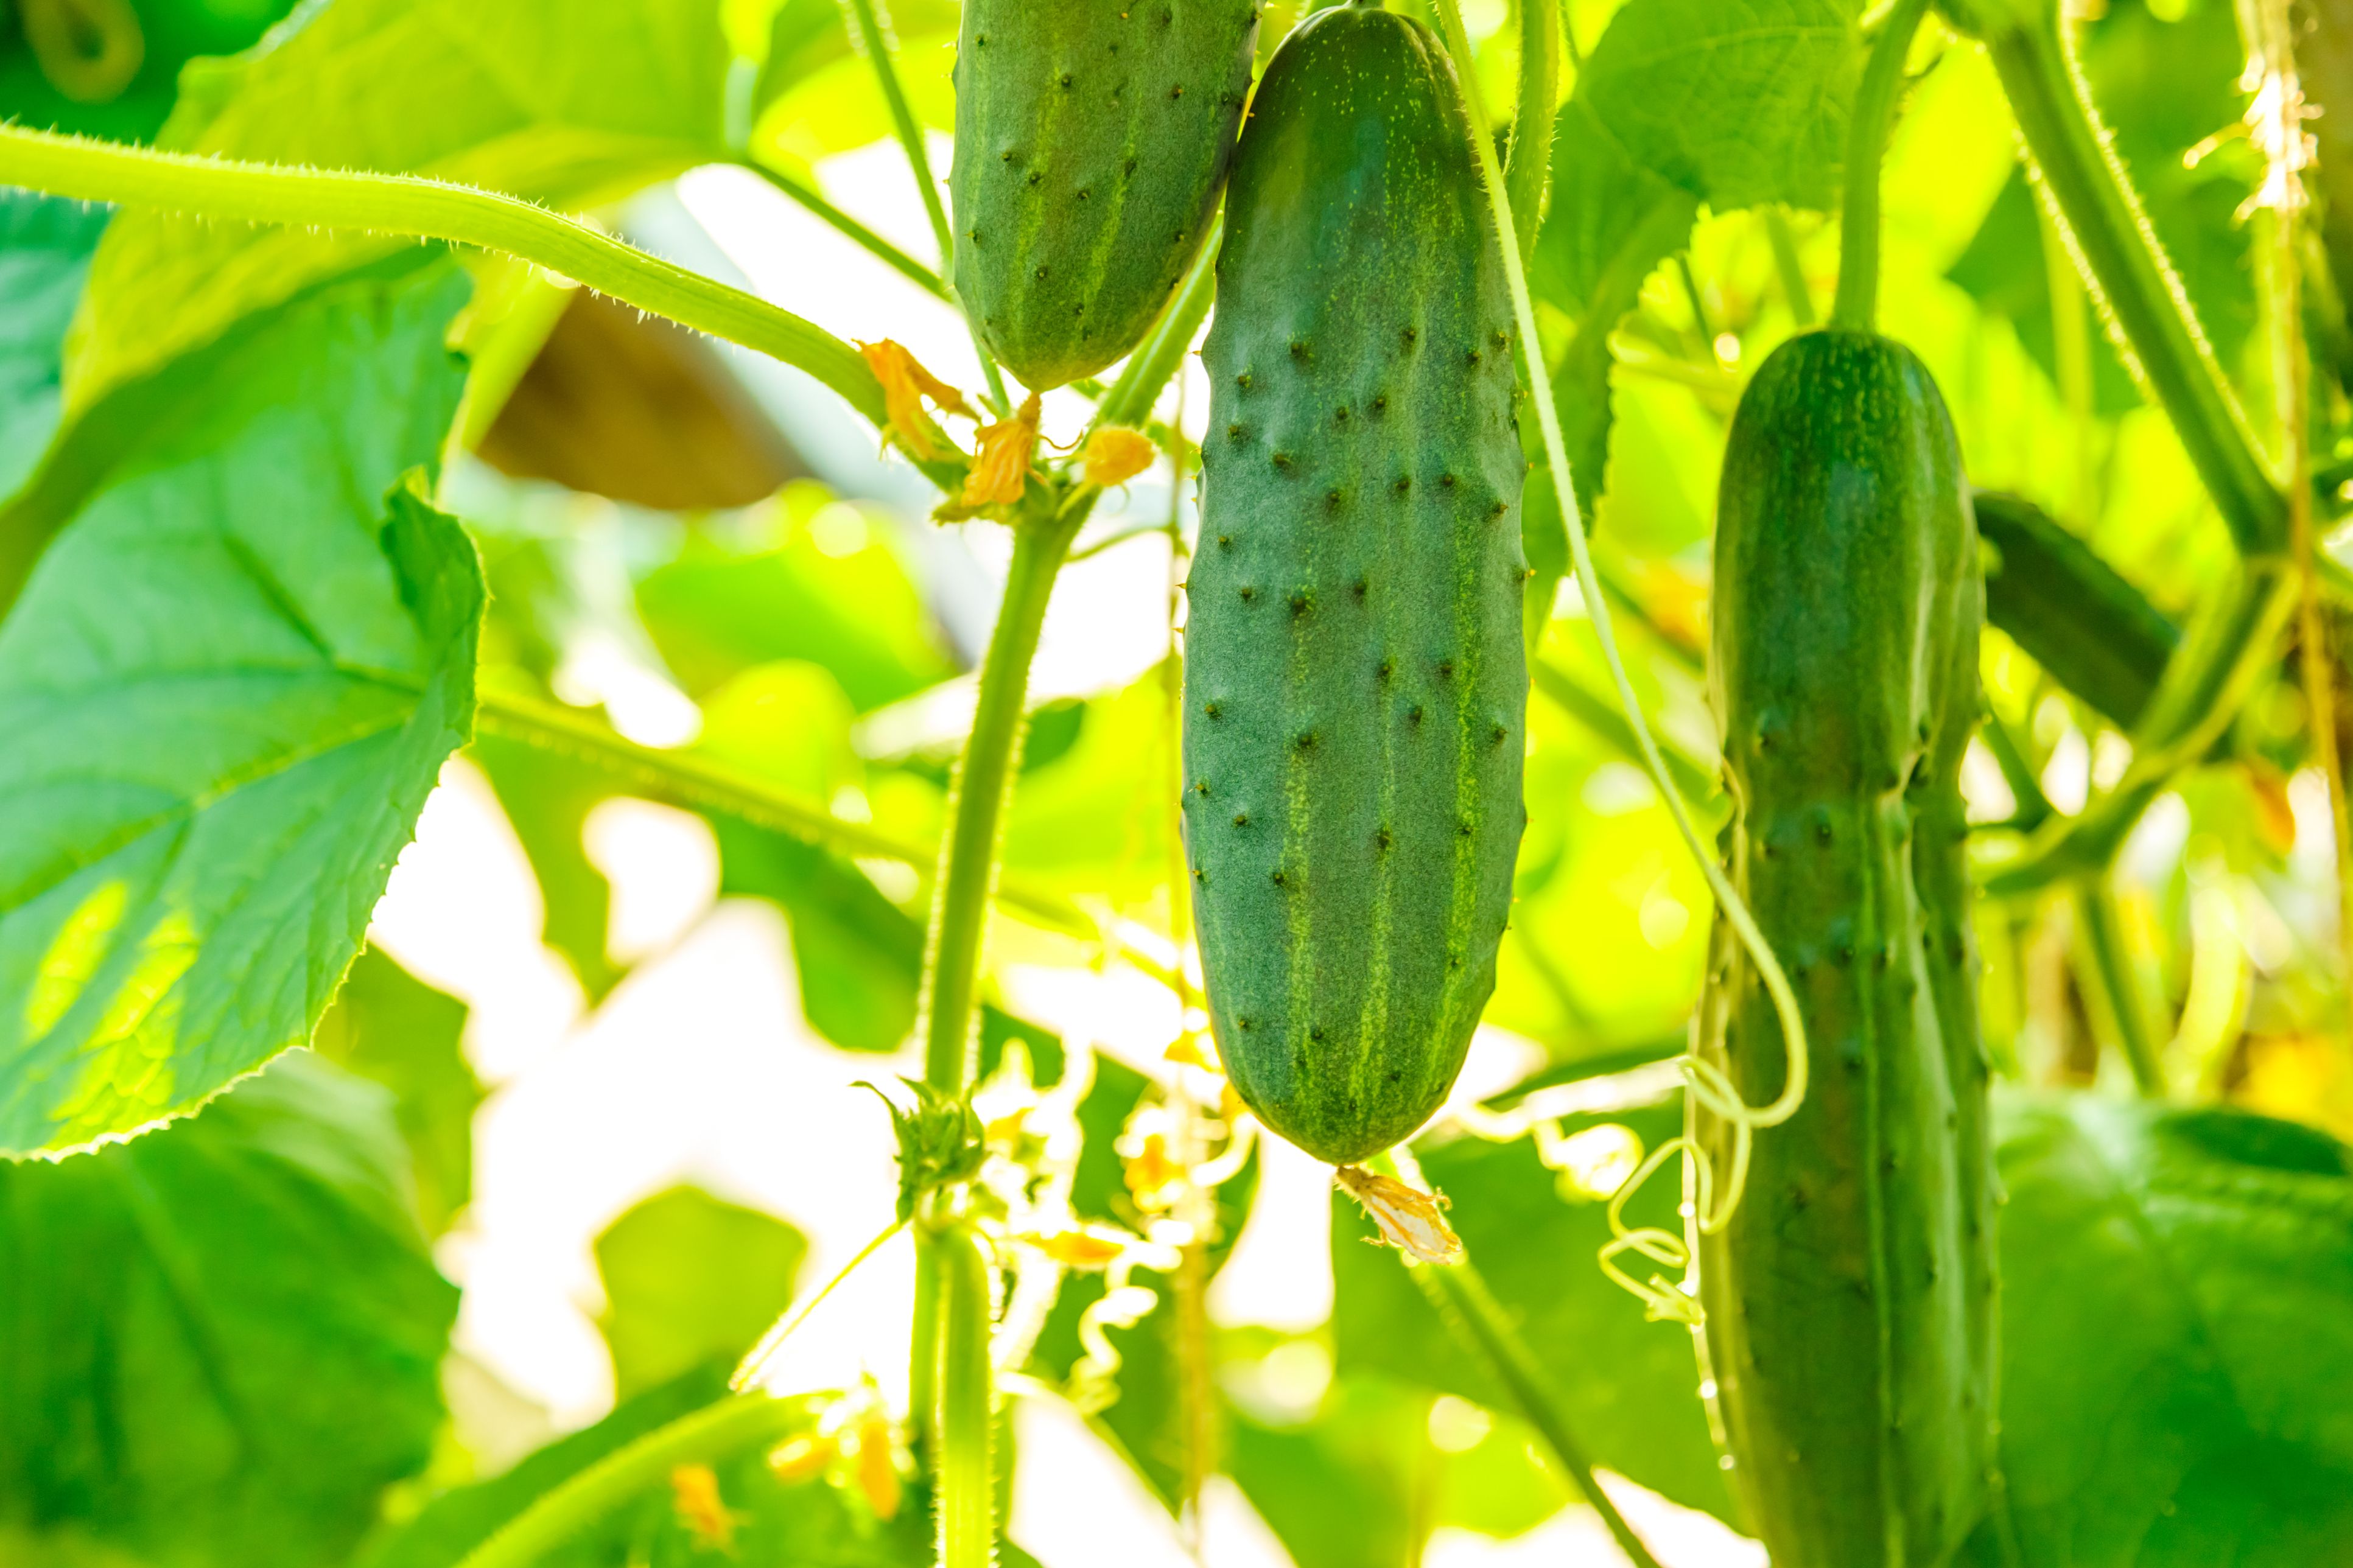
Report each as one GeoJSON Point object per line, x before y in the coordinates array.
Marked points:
{"type": "Point", "coordinates": [1099, 817]}
{"type": "Point", "coordinates": [2178, 1315]}
{"type": "Point", "coordinates": [547, 798]}
{"type": "Point", "coordinates": [392, 1028]}
{"type": "Point", "coordinates": [690, 1279]}
{"type": "Point", "coordinates": [220, 1339]}
{"type": "Point", "coordinates": [1682, 102]}
{"type": "Point", "coordinates": [715, 613]}
{"type": "Point", "coordinates": [171, 33]}
{"type": "Point", "coordinates": [2005, 271]}
{"type": "Point", "coordinates": [572, 105]}
{"type": "Point", "coordinates": [229, 688]}
{"type": "Point", "coordinates": [1628, 1388]}
{"type": "Point", "coordinates": [807, 36]}
{"type": "Point", "coordinates": [44, 250]}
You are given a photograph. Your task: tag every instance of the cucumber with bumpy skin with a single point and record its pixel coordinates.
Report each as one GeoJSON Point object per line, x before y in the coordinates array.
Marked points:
{"type": "Point", "coordinates": [1850, 1300]}
{"type": "Point", "coordinates": [1091, 139]}
{"type": "Point", "coordinates": [1355, 691]}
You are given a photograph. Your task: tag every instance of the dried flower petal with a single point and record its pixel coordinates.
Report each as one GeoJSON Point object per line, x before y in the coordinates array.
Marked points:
{"type": "Point", "coordinates": [1002, 469]}
{"type": "Point", "coordinates": [1116, 454]}
{"type": "Point", "coordinates": [905, 384]}
{"type": "Point", "coordinates": [1410, 1219]}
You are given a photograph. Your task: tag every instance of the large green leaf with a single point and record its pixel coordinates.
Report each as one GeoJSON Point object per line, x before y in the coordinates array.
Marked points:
{"type": "Point", "coordinates": [390, 1027]}
{"type": "Point", "coordinates": [568, 104]}
{"type": "Point", "coordinates": [228, 688]}
{"type": "Point", "coordinates": [44, 250]}
{"type": "Point", "coordinates": [691, 1279]}
{"type": "Point", "coordinates": [2177, 1319]}
{"type": "Point", "coordinates": [218, 1343]}
{"type": "Point", "coordinates": [1729, 103]}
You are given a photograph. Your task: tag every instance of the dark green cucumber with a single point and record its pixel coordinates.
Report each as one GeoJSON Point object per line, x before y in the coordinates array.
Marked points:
{"type": "Point", "coordinates": [1851, 1300]}
{"type": "Point", "coordinates": [1355, 691]}
{"type": "Point", "coordinates": [2071, 612]}
{"type": "Point", "coordinates": [1091, 139]}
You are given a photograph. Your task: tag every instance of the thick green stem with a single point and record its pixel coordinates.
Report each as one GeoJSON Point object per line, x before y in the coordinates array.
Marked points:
{"type": "Point", "coordinates": [432, 209]}
{"type": "Point", "coordinates": [2118, 980]}
{"type": "Point", "coordinates": [967, 1413]}
{"type": "Point", "coordinates": [2111, 239]}
{"type": "Point", "coordinates": [680, 778]}
{"type": "Point", "coordinates": [1527, 167]}
{"type": "Point", "coordinates": [1856, 308]}
{"type": "Point", "coordinates": [1791, 269]}
{"type": "Point", "coordinates": [875, 38]}
{"type": "Point", "coordinates": [923, 1365]}
{"type": "Point", "coordinates": [890, 255]}
{"type": "Point", "coordinates": [715, 1432]}
{"type": "Point", "coordinates": [982, 780]}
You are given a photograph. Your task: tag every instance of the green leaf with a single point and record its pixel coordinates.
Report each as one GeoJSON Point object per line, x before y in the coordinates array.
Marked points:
{"type": "Point", "coordinates": [391, 1028]}
{"type": "Point", "coordinates": [691, 1279]}
{"type": "Point", "coordinates": [229, 687]}
{"type": "Point", "coordinates": [1628, 1387]}
{"type": "Point", "coordinates": [2177, 1324]}
{"type": "Point", "coordinates": [44, 250]}
{"type": "Point", "coordinates": [572, 105]}
{"type": "Point", "coordinates": [219, 1342]}
{"type": "Point", "coordinates": [1682, 102]}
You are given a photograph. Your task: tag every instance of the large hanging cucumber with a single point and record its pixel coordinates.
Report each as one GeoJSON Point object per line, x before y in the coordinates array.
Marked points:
{"type": "Point", "coordinates": [1355, 692]}
{"type": "Point", "coordinates": [1849, 1300]}
{"type": "Point", "coordinates": [1091, 137]}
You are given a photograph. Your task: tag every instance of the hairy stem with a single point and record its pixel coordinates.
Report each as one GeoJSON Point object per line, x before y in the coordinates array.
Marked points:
{"type": "Point", "coordinates": [890, 255]}
{"type": "Point", "coordinates": [432, 209]}
{"type": "Point", "coordinates": [1527, 167]}
{"type": "Point", "coordinates": [680, 778]}
{"type": "Point", "coordinates": [873, 38]}
{"type": "Point", "coordinates": [967, 1397]}
{"type": "Point", "coordinates": [2111, 239]}
{"type": "Point", "coordinates": [1856, 307]}
{"type": "Point", "coordinates": [984, 778]}
{"type": "Point", "coordinates": [713, 1433]}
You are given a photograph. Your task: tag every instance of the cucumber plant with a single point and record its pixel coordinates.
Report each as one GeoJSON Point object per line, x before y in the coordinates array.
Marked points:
{"type": "Point", "coordinates": [243, 635]}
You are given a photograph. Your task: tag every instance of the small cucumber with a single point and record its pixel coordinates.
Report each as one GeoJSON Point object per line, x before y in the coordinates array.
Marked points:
{"type": "Point", "coordinates": [1355, 686]}
{"type": "Point", "coordinates": [1092, 137]}
{"type": "Point", "coordinates": [1851, 1298]}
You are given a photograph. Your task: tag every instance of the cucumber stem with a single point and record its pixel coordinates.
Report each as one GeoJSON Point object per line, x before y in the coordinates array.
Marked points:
{"type": "Point", "coordinates": [2115, 247]}
{"type": "Point", "coordinates": [2117, 981]}
{"type": "Point", "coordinates": [413, 206]}
{"type": "Point", "coordinates": [1707, 1082]}
{"type": "Point", "coordinates": [873, 38]}
{"type": "Point", "coordinates": [967, 1394]}
{"type": "Point", "coordinates": [890, 255]}
{"type": "Point", "coordinates": [1157, 359]}
{"type": "Point", "coordinates": [1465, 1304]}
{"type": "Point", "coordinates": [1856, 306]}
{"type": "Point", "coordinates": [716, 1432]}
{"type": "Point", "coordinates": [682, 778]}
{"type": "Point", "coordinates": [1786, 264]}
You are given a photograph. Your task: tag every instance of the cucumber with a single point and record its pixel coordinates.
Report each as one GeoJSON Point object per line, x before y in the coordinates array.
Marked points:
{"type": "Point", "coordinates": [1091, 139]}
{"type": "Point", "coordinates": [1355, 694]}
{"type": "Point", "coordinates": [2092, 631]}
{"type": "Point", "coordinates": [1850, 1300]}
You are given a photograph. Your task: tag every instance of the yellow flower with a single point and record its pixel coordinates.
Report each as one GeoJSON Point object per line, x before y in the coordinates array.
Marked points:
{"type": "Point", "coordinates": [1116, 454]}
{"type": "Point", "coordinates": [1410, 1219]}
{"type": "Point", "coordinates": [801, 1458]}
{"type": "Point", "coordinates": [877, 1468]}
{"type": "Point", "coordinates": [694, 1491]}
{"type": "Point", "coordinates": [1002, 469]}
